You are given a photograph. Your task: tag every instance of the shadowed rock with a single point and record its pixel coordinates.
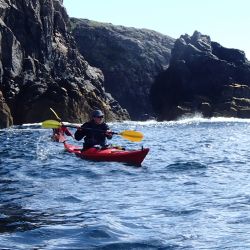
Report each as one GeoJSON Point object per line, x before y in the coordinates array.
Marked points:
{"type": "Point", "coordinates": [6, 119]}
{"type": "Point", "coordinates": [203, 77]}
{"type": "Point", "coordinates": [41, 67]}
{"type": "Point", "coordinates": [129, 58]}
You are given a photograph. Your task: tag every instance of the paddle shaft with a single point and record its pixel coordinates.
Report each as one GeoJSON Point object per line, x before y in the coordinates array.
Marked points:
{"type": "Point", "coordinates": [134, 136]}
{"type": "Point", "coordinates": [56, 115]}
{"type": "Point", "coordinates": [97, 130]}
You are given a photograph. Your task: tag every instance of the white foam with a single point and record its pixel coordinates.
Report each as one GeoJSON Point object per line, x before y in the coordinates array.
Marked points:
{"type": "Point", "coordinates": [197, 118]}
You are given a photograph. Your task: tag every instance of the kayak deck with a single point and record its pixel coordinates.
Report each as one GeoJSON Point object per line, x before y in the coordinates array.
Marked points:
{"type": "Point", "coordinates": [134, 157]}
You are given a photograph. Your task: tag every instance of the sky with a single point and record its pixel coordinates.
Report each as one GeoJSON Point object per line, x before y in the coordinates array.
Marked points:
{"type": "Point", "coordinates": [225, 21]}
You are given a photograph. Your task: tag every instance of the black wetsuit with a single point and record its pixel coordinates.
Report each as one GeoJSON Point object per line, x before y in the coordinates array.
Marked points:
{"type": "Point", "coordinates": [93, 134]}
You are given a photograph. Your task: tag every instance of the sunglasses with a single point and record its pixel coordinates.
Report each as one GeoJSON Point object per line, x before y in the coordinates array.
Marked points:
{"type": "Point", "coordinates": [99, 117]}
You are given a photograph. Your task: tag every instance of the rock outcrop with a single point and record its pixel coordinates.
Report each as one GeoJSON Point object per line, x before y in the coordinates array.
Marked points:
{"type": "Point", "coordinates": [41, 67]}
{"type": "Point", "coordinates": [203, 77]}
{"type": "Point", "coordinates": [129, 58]}
{"type": "Point", "coordinates": [6, 119]}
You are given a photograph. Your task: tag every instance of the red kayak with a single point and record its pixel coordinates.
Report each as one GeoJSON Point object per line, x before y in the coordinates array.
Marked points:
{"type": "Point", "coordinates": [134, 157]}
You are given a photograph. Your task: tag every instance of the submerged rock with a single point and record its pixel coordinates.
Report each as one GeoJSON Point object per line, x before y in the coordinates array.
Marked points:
{"type": "Point", "coordinates": [203, 77]}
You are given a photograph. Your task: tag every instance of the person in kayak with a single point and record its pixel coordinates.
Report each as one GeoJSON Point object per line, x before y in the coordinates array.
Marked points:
{"type": "Point", "coordinates": [94, 131]}
{"type": "Point", "coordinates": [58, 132]}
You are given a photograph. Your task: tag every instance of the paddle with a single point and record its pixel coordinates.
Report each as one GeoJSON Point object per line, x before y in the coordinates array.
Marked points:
{"type": "Point", "coordinates": [130, 135]}
{"type": "Point", "coordinates": [59, 119]}
{"type": "Point", "coordinates": [54, 112]}
{"type": "Point", "coordinates": [56, 124]}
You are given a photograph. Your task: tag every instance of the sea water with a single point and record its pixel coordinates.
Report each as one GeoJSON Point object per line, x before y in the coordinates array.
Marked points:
{"type": "Point", "coordinates": [192, 191]}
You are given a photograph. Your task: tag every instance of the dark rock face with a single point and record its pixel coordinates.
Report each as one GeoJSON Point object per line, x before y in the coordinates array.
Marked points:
{"type": "Point", "coordinates": [6, 119]}
{"type": "Point", "coordinates": [41, 67]}
{"type": "Point", "coordinates": [203, 77]}
{"type": "Point", "coordinates": [129, 58]}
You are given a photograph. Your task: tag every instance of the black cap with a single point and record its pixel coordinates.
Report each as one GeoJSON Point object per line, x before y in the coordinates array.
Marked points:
{"type": "Point", "coordinates": [97, 113]}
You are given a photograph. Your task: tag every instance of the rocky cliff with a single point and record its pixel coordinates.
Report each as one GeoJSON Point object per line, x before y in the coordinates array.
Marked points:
{"type": "Point", "coordinates": [5, 115]}
{"type": "Point", "coordinates": [41, 67]}
{"type": "Point", "coordinates": [129, 58]}
{"type": "Point", "coordinates": [203, 77]}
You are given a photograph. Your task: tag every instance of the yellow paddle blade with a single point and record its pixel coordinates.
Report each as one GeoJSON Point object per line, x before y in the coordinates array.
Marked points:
{"type": "Point", "coordinates": [54, 112]}
{"type": "Point", "coordinates": [131, 135]}
{"type": "Point", "coordinates": [51, 124]}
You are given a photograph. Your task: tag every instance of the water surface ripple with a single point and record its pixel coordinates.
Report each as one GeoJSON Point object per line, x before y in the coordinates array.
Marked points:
{"type": "Point", "coordinates": [192, 191]}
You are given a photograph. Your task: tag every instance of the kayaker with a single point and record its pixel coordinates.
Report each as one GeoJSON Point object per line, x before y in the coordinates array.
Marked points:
{"type": "Point", "coordinates": [58, 132]}
{"type": "Point", "coordinates": [94, 131]}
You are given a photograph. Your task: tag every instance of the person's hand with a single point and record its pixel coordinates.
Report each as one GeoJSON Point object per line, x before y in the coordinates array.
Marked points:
{"type": "Point", "coordinates": [108, 133]}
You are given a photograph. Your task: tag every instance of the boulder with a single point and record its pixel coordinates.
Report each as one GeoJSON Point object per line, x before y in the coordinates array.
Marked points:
{"type": "Point", "coordinates": [204, 74]}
